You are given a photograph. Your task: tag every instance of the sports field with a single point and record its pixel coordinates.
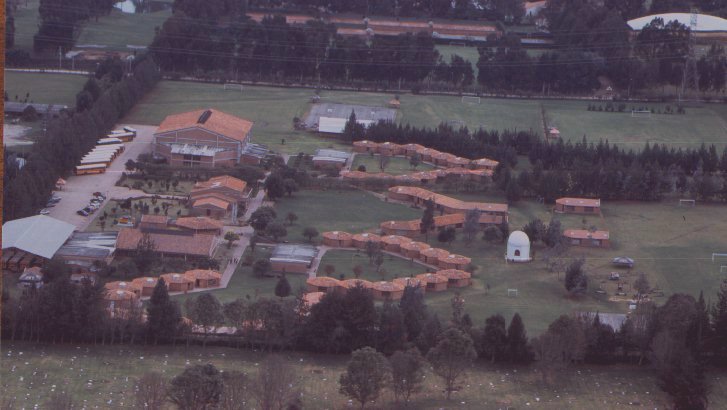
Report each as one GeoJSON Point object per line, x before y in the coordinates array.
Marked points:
{"type": "Point", "coordinates": [273, 109]}
{"type": "Point", "coordinates": [117, 30]}
{"type": "Point", "coordinates": [104, 377]}
{"type": "Point", "coordinates": [44, 88]}
{"type": "Point", "coordinates": [26, 25]}
{"type": "Point", "coordinates": [674, 253]}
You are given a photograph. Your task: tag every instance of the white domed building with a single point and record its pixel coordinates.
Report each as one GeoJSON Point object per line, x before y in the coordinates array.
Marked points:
{"type": "Point", "coordinates": [518, 247]}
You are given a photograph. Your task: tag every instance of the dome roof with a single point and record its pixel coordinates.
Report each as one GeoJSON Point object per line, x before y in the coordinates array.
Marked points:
{"type": "Point", "coordinates": [518, 238]}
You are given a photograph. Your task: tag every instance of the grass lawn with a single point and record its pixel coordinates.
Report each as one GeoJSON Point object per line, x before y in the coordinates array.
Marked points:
{"type": "Point", "coordinates": [104, 377]}
{"type": "Point", "coordinates": [111, 204]}
{"type": "Point", "coordinates": [273, 109]}
{"type": "Point", "coordinates": [245, 284]}
{"type": "Point", "coordinates": [158, 187]}
{"type": "Point", "coordinates": [44, 88]}
{"type": "Point", "coordinates": [350, 211]}
{"type": "Point", "coordinates": [396, 166]}
{"type": "Point", "coordinates": [118, 29]}
{"type": "Point", "coordinates": [344, 261]}
{"type": "Point", "coordinates": [468, 53]}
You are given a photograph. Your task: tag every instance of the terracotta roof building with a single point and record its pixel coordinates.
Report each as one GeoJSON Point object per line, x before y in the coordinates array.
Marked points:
{"type": "Point", "coordinates": [434, 282]}
{"type": "Point", "coordinates": [322, 284]}
{"type": "Point", "coordinates": [582, 237]}
{"type": "Point", "coordinates": [413, 249]}
{"type": "Point", "coordinates": [178, 282]}
{"type": "Point", "coordinates": [146, 284]}
{"type": "Point", "coordinates": [409, 229]}
{"type": "Point", "coordinates": [200, 224]}
{"type": "Point", "coordinates": [337, 239]}
{"type": "Point", "coordinates": [578, 206]}
{"type": "Point", "coordinates": [432, 256]}
{"type": "Point", "coordinates": [219, 196]}
{"type": "Point", "coordinates": [204, 278]}
{"type": "Point", "coordinates": [365, 146]}
{"type": "Point", "coordinates": [387, 290]}
{"type": "Point", "coordinates": [293, 258]}
{"type": "Point", "coordinates": [121, 285]}
{"type": "Point", "coordinates": [418, 196]}
{"type": "Point", "coordinates": [202, 138]}
{"type": "Point", "coordinates": [120, 302]}
{"type": "Point", "coordinates": [153, 221]}
{"type": "Point", "coordinates": [347, 284]}
{"type": "Point", "coordinates": [167, 243]}
{"type": "Point", "coordinates": [412, 282]}
{"type": "Point", "coordinates": [392, 243]}
{"type": "Point", "coordinates": [361, 240]}
{"type": "Point", "coordinates": [456, 278]}
{"type": "Point", "coordinates": [453, 261]}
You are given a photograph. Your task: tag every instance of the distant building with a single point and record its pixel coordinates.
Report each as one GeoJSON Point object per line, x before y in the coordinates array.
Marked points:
{"type": "Point", "coordinates": [187, 245]}
{"type": "Point", "coordinates": [31, 278]}
{"type": "Point", "coordinates": [149, 221]}
{"type": "Point", "coordinates": [518, 247]}
{"type": "Point", "coordinates": [293, 258]}
{"type": "Point", "coordinates": [31, 241]}
{"type": "Point", "coordinates": [578, 206]}
{"type": "Point", "coordinates": [202, 138]}
{"type": "Point", "coordinates": [219, 197]}
{"type": "Point", "coordinates": [708, 27]}
{"type": "Point", "coordinates": [200, 224]}
{"type": "Point", "coordinates": [330, 157]}
{"type": "Point", "coordinates": [588, 239]}
{"type": "Point", "coordinates": [84, 248]}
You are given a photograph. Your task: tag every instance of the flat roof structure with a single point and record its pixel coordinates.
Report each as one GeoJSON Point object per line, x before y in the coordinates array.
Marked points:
{"type": "Point", "coordinates": [97, 245]}
{"type": "Point", "coordinates": [294, 253]}
{"type": "Point", "coordinates": [40, 235]}
{"type": "Point", "coordinates": [331, 155]}
{"type": "Point", "coordinates": [585, 202]}
{"type": "Point", "coordinates": [584, 234]}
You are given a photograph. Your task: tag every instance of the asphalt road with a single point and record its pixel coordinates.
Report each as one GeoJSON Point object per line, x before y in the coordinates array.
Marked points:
{"type": "Point", "coordinates": [78, 189]}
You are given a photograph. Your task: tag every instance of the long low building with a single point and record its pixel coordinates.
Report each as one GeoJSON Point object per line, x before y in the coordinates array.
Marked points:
{"type": "Point", "coordinates": [31, 241]}
{"type": "Point", "coordinates": [578, 206]}
{"type": "Point", "coordinates": [442, 203]}
{"type": "Point", "coordinates": [184, 244]}
{"type": "Point", "coordinates": [289, 258]}
{"type": "Point", "coordinates": [85, 248]}
{"type": "Point", "coordinates": [587, 239]}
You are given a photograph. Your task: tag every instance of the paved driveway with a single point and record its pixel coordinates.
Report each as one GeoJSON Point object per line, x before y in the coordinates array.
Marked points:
{"type": "Point", "coordinates": [78, 189]}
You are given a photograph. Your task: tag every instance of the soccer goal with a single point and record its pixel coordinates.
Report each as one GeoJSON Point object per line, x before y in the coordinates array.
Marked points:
{"type": "Point", "coordinates": [687, 202]}
{"type": "Point", "coordinates": [468, 99]}
{"type": "Point", "coordinates": [512, 293]}
{"type": "Point", "coordinates": [457, 44]}
{"type": "Point", "coordinates": [640, 114]}
{"type": "Point", "coordinates": [233, 87]}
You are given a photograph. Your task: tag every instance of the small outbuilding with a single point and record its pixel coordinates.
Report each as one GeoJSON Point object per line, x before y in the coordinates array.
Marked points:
{"type": "Point", "coordinates": [205, 278]}
{"type": "Point", "coordinates": [337, 239]}
{"type": "Point", "coordinates": [518, 247]}
{"type": "Point", "coordinates": [293, 258]}
{"type": "Point", "coordinates": [323, 284]}
{"type": "Point", "coordinates": [432, 256]}
{"type": "Point", "coordinates": [146, 284]}
{"type": "Point", "coordinates": [588, 239]}
{"type": "Point", "coordinates": [126, 286]}
{"type": "Point", "coordinates": [387, 290]}
{"type": "Point", "coordinates": [586, 206]}
{"type": "Point", "coordinates": [361, 240]}
{"type": "Point", "coordinates": [623, 262]}
{"type": "Point", "coordinates": [392, 243]}
{"type": "Point", "coordinates": [453, 261]}
{"type": "Point", "coordinates": [434, 282]}
{"type": "Point", "coordinates": [456, 278]}
{"type": "Point", "coordinates": [178, 282]}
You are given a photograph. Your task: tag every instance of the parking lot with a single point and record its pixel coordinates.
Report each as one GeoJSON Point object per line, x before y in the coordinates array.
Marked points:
{"type": "Point", "coordinates": [79, 189]}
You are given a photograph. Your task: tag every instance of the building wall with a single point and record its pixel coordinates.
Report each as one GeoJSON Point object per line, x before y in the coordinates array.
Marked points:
{"type": "Point", "coordinates": [590, 243]}
{"type": "Point", "coordinates": [289, 267]}
{"type": "Point", "coordinates": [198, 136]}
{"type": "Point", "coordinates": [568, 209]}
{"type": "Point", "coordinates": [211, 212]}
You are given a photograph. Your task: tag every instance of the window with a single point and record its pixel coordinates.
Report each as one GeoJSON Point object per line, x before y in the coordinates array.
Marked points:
{"type": "Point", "coordinates": [596, 242]}
{"type": "Point", "coordinates": [570, 208]}
{"type": "Point", "coordinates": [575, 241]}
{"type": "Point", "coordinates": [517, 252]}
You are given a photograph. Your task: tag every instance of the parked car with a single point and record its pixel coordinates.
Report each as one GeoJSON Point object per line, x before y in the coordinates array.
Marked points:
{"type": "Point", "coordinates": [82, 212]}
{"type": "Point", "coordinates": [50, 204]}
{"type": "Point", "coordinates": [44, 211]}
{"type": "Point", "coordinates": [55, 199]}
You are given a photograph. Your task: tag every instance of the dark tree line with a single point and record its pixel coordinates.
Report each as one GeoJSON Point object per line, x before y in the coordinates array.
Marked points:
{"type": "Point", "coordinates": [273, 50]}
{"type": "Point", "coordinates": [105, 98]}
{"type": "Point", "coordinates": [60, 19]}
{"type": "Point", "coordinates": [580, 169]}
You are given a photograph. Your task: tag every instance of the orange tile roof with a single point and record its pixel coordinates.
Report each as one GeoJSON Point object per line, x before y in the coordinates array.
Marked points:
{"type": "Point", "coordinates": [352, 283]}
{"type": "Point", "coordinates": [366, 237]}
{"type": "Point", "coordinates": [313, 298]}
{"type": "Point", "coordinates": [121, 285]}
{"type": "Point", "coordinates": [199, 223]}
{"type": "Point", "coordinates": [219, 123]}
{"type": "Point", "coordinates": [584, 234]}
{"type": "Point", "coordinates": [587, 202]}
{"type": "Point", "coordinates": [435, 253]}
{"type": "Point", "coordinates": [432, 278]}
{"type": "Point", "coordinates": [176, 278]}
{"type": "Point", "coordinates": [199, 194]}
{"type": "Point", "coordinates": [448, 220]}
{"type": "Point", "coordinates": [454, 274]}
{"type": "Point", "coordinates": [388, 286]}
{"type": "Point", "coordinates": [145, 282]}
{"type": "Point", "coordinates": [401, 225]}
{"type": "Point", "coordinates": [414, 282]}
{"type": "Point", "coordinates": [197, 244]}
{"type": "Point", "coordinates": [443, 200]}
{"type": "Point", "coordinates": [337, 235]}
{"type": "Point", "coordinates": [414, 147]}
{"type": "Point", "coordinates": [323, 281]}
{"type": "Point", "coordinates": [216, 202]}
{"type": "Point", "coordinates": [415, 246]}
{"type": "Point", "coordinates": [118, 295]}
{"type": "Point", "coordinates": [365, 143]}
{"type": "Point", "coordinates": [222, 181]}
{"type": "Point", "coordinates": [395, 239]}
{"type": "Point", "coordinates": [457, 259]}
{"type": "Point", "coordinates": [203, 274]}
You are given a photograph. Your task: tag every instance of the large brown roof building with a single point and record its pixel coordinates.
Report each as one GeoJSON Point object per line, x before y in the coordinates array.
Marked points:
{"type": "Point", "coordinates": [168, 243]}
{"type": "Point", "coordinates": [202, 138]}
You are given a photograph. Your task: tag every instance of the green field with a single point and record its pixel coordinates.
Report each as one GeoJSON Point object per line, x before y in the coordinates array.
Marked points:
{"type": "Point", "coordinates": [396, 166]}
{"type": "Point", "coordinates": [674, 254]}
{"type": "Point", "coordinates": [44, 88]}
{"type": "Point", "coordinates": [104, 377]}
{"type": "Point", "coordinates": [244, 284]}
{"type": "Point", "coordinates": [350, 211]}
{"type": "Point", "coordinates": [26, 25]}
{"type": "Point", "coordinates": [273, 109]}
{"type": "Point", "coordinates": [344, 261]}
{"type": "Point", "coordinates": [468, 53]}
{"type": "Point", "coordinates": [118, 29]}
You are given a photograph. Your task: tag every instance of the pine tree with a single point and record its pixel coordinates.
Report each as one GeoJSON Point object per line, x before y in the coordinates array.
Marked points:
{"type": "Point", "coordinates": [719, 326]}
{"type": "Point", "coordinates": [282, 288]}
{"type": "Point", "coordinates": [518, 349]}
{"type": "Point", "coordinates": [164, 314]}
{"type": "Point", "coordinates": [427, 223]}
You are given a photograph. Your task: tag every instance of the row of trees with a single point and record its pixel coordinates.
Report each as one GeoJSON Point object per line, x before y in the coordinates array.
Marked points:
{"type": "Point", "coordinates": [566, 168]}
{"type": "Point", "coordinates": [273, 50]}
{"type": "Point", "coordinates": [104, 99]}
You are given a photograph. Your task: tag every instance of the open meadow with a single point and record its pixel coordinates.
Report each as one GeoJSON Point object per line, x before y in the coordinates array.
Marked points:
{"type": "Point", "coordinates": [117, 30]}
{"type": "Point", "coordinates": [44, 88]}
{"type": "Point", "coordinates": [101, 377]}
{"type": "Point", "coordinates": [671, 245]}
{"type": "Point", "coordinates": [273, 109]}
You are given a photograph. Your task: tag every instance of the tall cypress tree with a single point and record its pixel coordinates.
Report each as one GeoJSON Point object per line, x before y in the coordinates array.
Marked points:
{"type": "Point", "coordinates": [163, 314]}
{"type": "Point", "coordinates": [719, 325]}
{"type": "Point", "coordinates": [517, 341]}
{"type": "Point", "coordinates": [427, 223]}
